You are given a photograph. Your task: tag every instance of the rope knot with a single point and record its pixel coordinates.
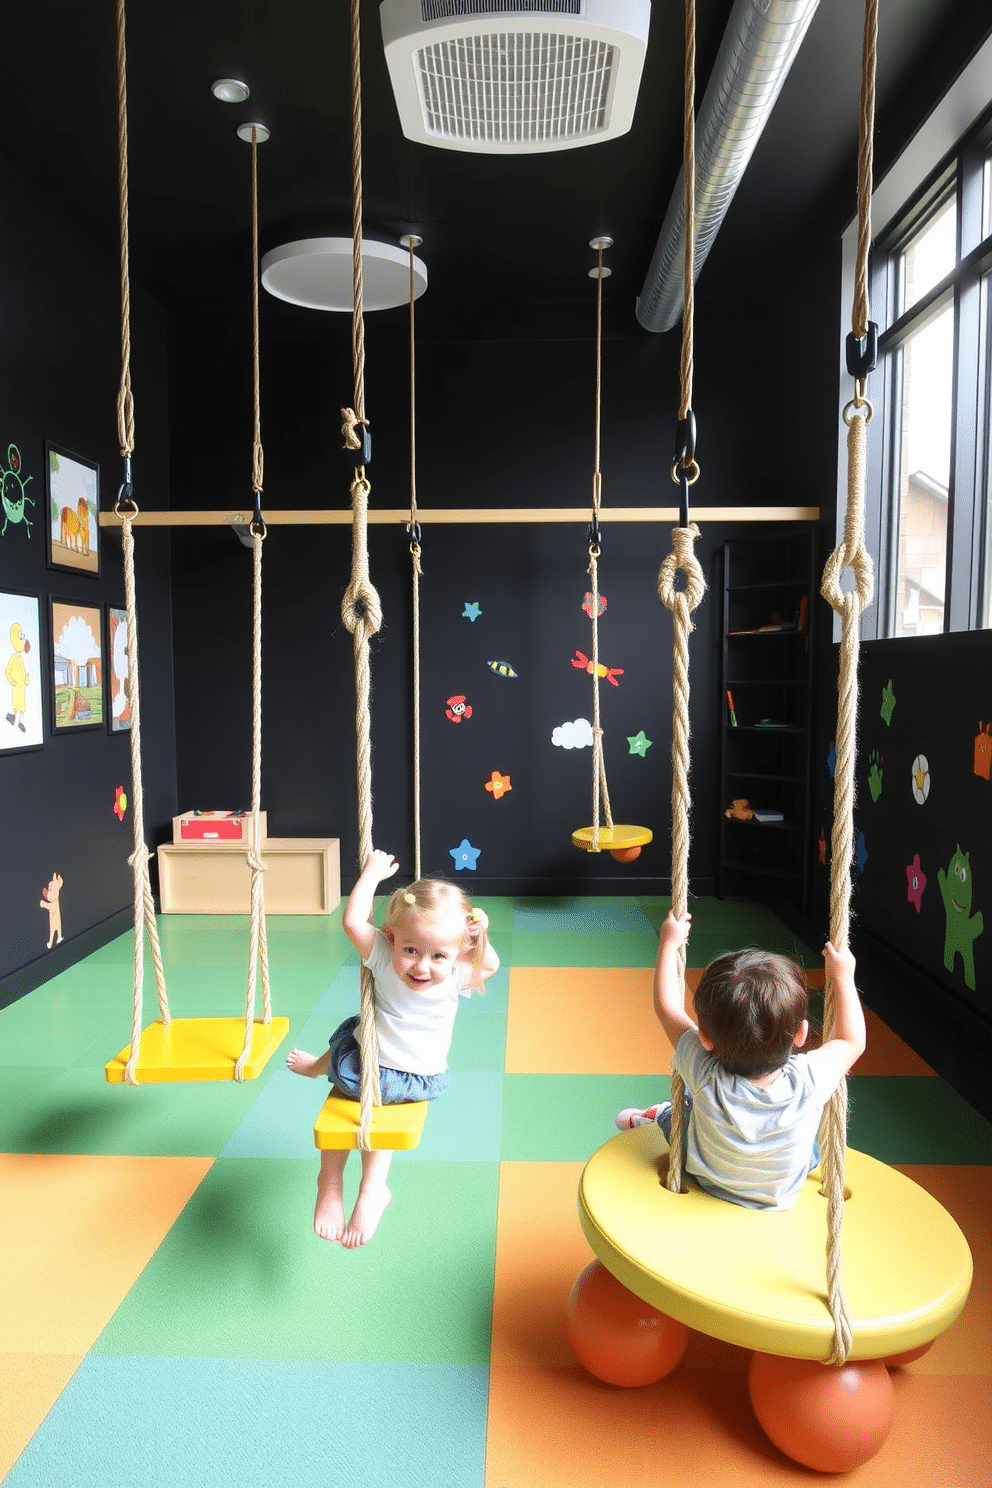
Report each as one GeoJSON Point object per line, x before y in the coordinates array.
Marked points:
{"type": "Point", "coordinates": [361, 608]}
{"type": "Point", "coordinates": [255, 863]}
{"type": "Point", "coordinates": [349, 423]}
{"type": "Point", "coordinates": [682, 559]}
{"type": "Point", "coordinates": [139, 857]}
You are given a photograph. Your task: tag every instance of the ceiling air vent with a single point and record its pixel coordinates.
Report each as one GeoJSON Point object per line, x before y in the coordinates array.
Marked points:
{"type": "Point", "coordinates": [500, 78]}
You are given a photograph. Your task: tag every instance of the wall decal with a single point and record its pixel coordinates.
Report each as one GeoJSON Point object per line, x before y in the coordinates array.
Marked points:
{"type": "Point", "coordinates": [77, 665]}
{"type": "Point", "coordinates": [472, 610]}
{"type": "Point", "coordinates": [20, 716]}
{"type": "Point", "coordinates": [921, 779]}
{"type": "Point", "coordinates": [587, 604]}
{"type": "Point", "coordinates": [983, 751]}
{"type": "Point", "coordinates": [639, 743]}
{"type": "Point", "coordinates": [581, 660]}
{"type": "Point", "coordinates": [916, 882]}
{"type": "Point", "coordinates": [875, 772]}
{"type": "Point", "coordinates": [13, 496]}
{"type": "Point", "coordinates": [862, 851]}
{"type": "Point", "coordinates": [832, 758]}
{"type": "Point", "coordinates": [963, 928]}
{"type": "Point", "coordinates": [822, 847]}
{"type": "Point", "coordinates": [574, 735]}
{"type": "Point", "coordinates": [73, 509]}
{"type": "Point", "coordinates": [501, 668]}
{"type": "Point", "coordinates": [498, 784]}
{"type": "Point", "coordinates": [888, 702]}
{"type": "Point", "coordinates": [50, 901]}
{"type": "Point", "coordinates": [120, 802]}
{"type": "Point", "coordinates": [458, 709]}
{"type": "Point", "coordinates": [119, 717]}
{"type": "Point", "coordinates": [465, 855]}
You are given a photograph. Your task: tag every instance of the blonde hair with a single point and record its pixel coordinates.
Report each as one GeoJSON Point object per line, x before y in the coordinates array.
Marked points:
{"type": "Point", "coordinates": [435, 900]}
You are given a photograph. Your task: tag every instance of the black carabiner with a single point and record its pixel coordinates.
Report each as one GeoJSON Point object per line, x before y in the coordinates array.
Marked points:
{"type": "Point", "coordinates": [862, 352]}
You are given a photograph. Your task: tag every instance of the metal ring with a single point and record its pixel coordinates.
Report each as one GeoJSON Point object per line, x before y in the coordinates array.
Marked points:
{"type": "Point", "coordinates": [853, 409]}
{"type": "Point", "coordinates": [690, 480]}
{"type": "Point", "coordinates": [129, 515]}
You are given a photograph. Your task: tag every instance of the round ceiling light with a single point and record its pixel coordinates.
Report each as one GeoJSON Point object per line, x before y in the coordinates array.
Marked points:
{"type": "Point", "coordinates": [318, 273]}
{"type": "Point", "coordinates": [261, 132]}
{"type": "Point", "coordinates": [230, 90]}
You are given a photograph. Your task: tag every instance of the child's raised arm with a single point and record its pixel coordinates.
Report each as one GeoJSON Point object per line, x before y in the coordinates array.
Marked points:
{"type": "Point", "coordinates": [481, 954]}
{"type": "Point", "coordinates": [669, 991]}
{"type": "Point", "coordinates": [847, 1043]}
{"type": "Point", "coordinates": [357, 919]}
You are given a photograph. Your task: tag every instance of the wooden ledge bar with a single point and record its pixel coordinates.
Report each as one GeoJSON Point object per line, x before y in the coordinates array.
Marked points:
{"type": "Point", "coordinates": [467, 516]}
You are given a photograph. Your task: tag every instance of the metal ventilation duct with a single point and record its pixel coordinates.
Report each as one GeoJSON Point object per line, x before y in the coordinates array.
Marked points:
{"type": "Point", "coordinates": [758, 48]}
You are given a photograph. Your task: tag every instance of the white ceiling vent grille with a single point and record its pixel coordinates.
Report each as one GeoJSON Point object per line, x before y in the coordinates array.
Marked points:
{"type": "Point", "coordinates": [503, 78]}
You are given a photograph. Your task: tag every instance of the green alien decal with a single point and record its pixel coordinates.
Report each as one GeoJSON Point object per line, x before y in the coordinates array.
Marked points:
{"type": "Point", "coordinates": [963, 928]}
{"type": "Point", "coordinates": [13, 494]}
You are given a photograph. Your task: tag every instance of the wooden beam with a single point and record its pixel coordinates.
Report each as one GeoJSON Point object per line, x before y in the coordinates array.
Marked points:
{"type": "Point", "coordinates": [469, 516]}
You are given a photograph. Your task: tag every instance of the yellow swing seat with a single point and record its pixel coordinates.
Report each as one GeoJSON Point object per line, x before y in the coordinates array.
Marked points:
{"type": "Point", "coordinates": [755, 1278]}
{"type": "Point", "coordinates": [397, 1128]}
{"type": "Point", "coordinates": [611, 839]}
{"type": "Point", "coordinates": [199, 1049]}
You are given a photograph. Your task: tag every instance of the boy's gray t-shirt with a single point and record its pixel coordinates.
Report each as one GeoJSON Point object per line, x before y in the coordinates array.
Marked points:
{"type": "Point", "coordinates": [747, 1143]}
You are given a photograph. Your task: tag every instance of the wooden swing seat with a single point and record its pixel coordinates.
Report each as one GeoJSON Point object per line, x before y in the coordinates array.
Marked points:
{"type": "Point", "coordinates": [610, 839]}
{"type": "Point", "coordinates": [396, 1128]}
{"type": "Point", "coordinates": [756, 1278]}
{"type": "Point", "coordinates": [199, 1049]}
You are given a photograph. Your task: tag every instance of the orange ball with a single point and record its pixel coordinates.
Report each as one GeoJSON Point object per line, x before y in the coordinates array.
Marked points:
{"type": "Point", "coordinates": [625, 854]}
{"type": "Point", "coordinates": [827, 1418]}
{"type": "Point", "coordinates": [896, 1361]}
{"type": "Point", "coordinates": [619, 1338]}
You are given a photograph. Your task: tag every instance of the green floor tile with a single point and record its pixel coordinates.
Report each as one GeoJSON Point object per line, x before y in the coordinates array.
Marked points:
{"type": "Point", "coordinates": [241, 1273]}
{"type": "Point", "coordinates": [32, 1033]}
{"type": "Point", "coordinates": [611, 949]}
{"type": "Point", "coordinates": [915, 1119]}
{"type": "Point", "coordinates": [565, 1118]}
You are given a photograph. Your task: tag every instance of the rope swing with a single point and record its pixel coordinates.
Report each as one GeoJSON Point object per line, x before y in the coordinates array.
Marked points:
{"type": "Point", "coordinates": [682, 560]}
{"type": "Point", "coordinates": [411, 241]}
{"type": "Point", "coordinates": [850, 553]}
{"type": "Point", "coordinates": [360, 609]}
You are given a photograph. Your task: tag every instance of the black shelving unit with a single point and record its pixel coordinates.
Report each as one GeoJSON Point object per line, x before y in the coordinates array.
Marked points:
{"type": "Point", "coordinates": [765, 755]}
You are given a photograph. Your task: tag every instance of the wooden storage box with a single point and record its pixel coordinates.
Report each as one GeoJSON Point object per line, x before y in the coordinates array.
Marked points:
{"type": "Point", "coordinates": [303, 877]}
{"type": "Point", "coordinates": [208, 828]}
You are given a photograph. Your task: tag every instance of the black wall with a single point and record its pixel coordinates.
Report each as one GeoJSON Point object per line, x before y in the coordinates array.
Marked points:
{"type": "Point", "coordinates": [60, 354]}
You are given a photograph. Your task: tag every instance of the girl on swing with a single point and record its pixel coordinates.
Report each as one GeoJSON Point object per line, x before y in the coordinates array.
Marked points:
{"type": "Point", "coordinates": [432, 949]}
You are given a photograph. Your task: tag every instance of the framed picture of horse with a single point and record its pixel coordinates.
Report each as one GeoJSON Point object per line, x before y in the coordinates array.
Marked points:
{"type": "Point", "coordinates": [73, 511]}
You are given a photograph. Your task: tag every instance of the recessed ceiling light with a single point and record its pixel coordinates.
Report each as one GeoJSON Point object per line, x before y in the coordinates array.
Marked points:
{"type": "Point", "coordinates": [261, 132]}
{"type": "Point", "coordinates": [318, 273]}
{"type": "Point", "coordinates": [230, 90]}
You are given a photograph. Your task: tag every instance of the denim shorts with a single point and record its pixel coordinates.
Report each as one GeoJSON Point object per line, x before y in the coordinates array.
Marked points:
{"type": "Point", "coordinates": [344, 1069]}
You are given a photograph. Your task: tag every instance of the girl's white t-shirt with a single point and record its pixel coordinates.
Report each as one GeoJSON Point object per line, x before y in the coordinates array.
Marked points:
{"type": "Point", "coordinates": [414, 1028]}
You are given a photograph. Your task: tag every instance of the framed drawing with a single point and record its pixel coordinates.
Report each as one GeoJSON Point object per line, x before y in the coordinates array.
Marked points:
{"type": "Point", "coordinates": [77, 666]}
{"type": "Point", "coordinates": [73, 509]}
{"type": "Point", "coordinates": [21, 724]}
{"type": "Point", "coordinates": [119, 710]}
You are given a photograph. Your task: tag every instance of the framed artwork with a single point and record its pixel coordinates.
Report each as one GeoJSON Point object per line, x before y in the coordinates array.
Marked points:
{"type": "Point", "coordinates": [119, 709]}
{"type": "Point", "coordinates": [77, 666]}
{"type": "Point", "coordinates": [21, 724]}
{"type": "Point", "coordinates": [73, 511]}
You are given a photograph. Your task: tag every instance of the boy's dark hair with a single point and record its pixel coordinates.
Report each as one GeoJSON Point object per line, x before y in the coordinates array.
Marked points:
{"type": "Point", "coordinates": [750, 1004]}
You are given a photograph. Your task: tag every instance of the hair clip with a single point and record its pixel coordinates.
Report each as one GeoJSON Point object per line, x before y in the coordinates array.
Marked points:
{"type": "Point", "coordinates": [409, 898]}
{"type": "Point", "coordinates": [473, 915]}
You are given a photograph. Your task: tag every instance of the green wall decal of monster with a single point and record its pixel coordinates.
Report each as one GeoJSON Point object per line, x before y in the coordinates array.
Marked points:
{"type": "Point", "coordinates": [963, 928]}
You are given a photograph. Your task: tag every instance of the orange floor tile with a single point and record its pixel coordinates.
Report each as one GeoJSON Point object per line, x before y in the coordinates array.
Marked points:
{"type": "Point", "coordinates": [557, 1018]}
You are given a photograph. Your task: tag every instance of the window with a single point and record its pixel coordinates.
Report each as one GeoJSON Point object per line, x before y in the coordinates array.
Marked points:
{"type": "Point", "coordinates": [929, 498]}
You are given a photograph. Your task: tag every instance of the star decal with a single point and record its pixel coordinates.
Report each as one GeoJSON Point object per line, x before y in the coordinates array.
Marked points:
{"type": "Point", "coordinates": [639, 743]}
{"type": "Point", "coordinates": [465, 855]}
{"type": "Point", "coordinates": [916, 881]}
{"type": "Point", "coordinates": [472, 610]}
{"type": "Point", "coordinates": [499, 785]}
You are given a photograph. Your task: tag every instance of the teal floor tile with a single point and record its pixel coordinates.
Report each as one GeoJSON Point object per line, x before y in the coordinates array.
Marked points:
{"type": "Point", "coordinates": [621, 948]}
{"type": "Point", "coordinates": [228, 1423]}
{"type": "Point", "coordinates": [915, 1119]}
{"type": "Point", "coordinates": [465, 1125]}
{"type": "Point", "coordinates": [279, 1121]}
{"type": "Point", "coordinates": [479, 1040]}
{"type": "Point", "coordinates": [566, 1118]}
{"type": "Point", "coordinates": [242, 1275]}
{"type": "Point", "coordinates": [595, 916]}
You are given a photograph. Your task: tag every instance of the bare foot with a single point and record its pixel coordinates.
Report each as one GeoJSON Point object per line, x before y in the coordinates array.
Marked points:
{"type": "Point", "coordinates": [365, 1216]}
{"type": "Point", "coordinates": [302, 1063]}
{"type": "Point", "coordinates": [328, 1214]}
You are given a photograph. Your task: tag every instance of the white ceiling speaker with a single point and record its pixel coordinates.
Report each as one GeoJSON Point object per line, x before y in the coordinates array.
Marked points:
{"type": "Point", "coordinates": [515, 77]}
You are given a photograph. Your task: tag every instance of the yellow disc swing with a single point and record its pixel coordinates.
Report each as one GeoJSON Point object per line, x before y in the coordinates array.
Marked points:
{"type": "Point", "coordinates": [181, 1049]}
{"type": "Point", "coordinates": [622, 842]}
{"type": "Point", "coordinates": [898, 1268]}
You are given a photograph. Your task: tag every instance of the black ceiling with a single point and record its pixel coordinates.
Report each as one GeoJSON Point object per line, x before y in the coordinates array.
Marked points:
{"type": "Point", "coordinates": [502, 236]}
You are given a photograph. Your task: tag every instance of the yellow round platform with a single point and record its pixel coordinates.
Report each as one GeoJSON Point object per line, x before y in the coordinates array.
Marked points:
{"type": "Point", "coordinates": [611, 838]}
{"type": "Point", "coordinates": [757, 1278]}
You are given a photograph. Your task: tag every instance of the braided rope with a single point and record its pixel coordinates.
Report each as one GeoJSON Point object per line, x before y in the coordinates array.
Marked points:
{"type": "Point", "coordinates": [416, 572]}
{"type": "Point", "coordinates": [600, 789]}
{"type": "Point", "coordinates": [125, 401]}
{"type": "Point", "coordinates": [689, 184]}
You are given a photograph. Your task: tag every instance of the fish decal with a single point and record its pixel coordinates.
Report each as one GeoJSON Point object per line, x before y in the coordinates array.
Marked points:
{"type": "Point", "coordinates": [501, 668]}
